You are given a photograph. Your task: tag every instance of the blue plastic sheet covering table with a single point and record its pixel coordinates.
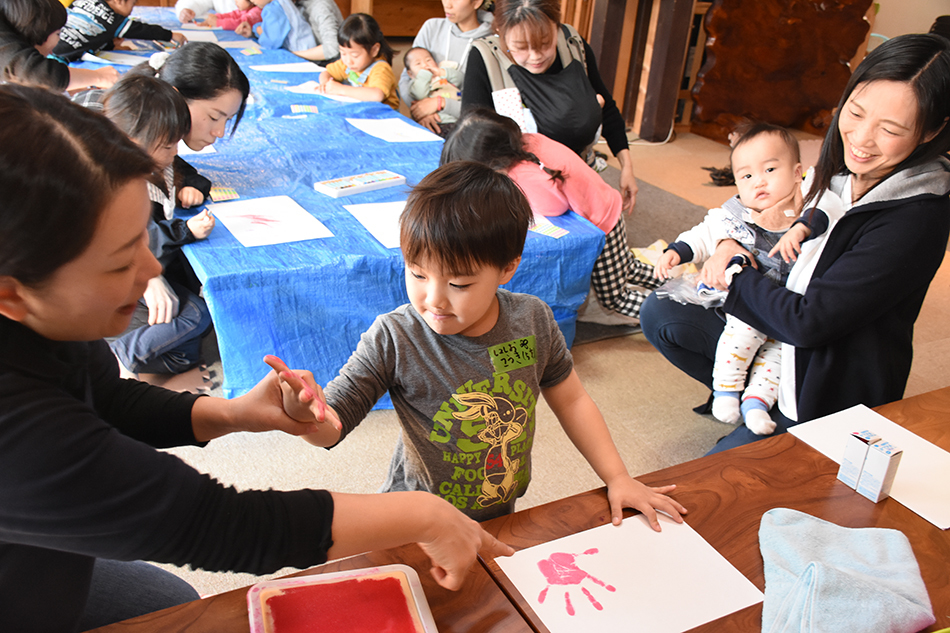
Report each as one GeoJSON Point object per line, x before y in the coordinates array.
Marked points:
{"type": "Point", "coordinates": [309, 302]}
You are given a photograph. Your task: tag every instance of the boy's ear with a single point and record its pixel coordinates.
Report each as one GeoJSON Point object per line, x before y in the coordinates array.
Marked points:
{"type": "Point", "coordinates": [798, 171]}
{"type": "Point", "coordinates": [374, 52]}
{"type": "Point", "coordinates": [509, 270]}
{"type": "Point", "coordinates": [12, 304]}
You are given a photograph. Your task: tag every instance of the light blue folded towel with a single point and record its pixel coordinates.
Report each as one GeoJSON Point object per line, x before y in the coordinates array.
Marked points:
{"type": "Point", "coordinates": [821, 577]}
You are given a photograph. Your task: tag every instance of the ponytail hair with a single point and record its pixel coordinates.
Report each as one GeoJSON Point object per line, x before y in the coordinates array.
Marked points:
{"type": "Point", "coordinates": [484, 136]}
{"type": "Point", "coordinates": [922, 61]}
{"type": "Point", "coordinates": [363, 29]}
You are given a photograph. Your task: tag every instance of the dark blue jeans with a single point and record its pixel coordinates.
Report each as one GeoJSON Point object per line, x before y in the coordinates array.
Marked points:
{"type": "Point", "coordinates": [164, 348]}
{"type": "Point", "coordinates": [122, 590]}
{"type": "Point", "coordinates": [687, 336]}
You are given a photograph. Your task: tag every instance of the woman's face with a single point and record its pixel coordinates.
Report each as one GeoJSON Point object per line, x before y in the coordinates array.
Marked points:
{"type": "Point", "coordinates": [94, 295]}
{"type": "Point", "coordinates": [209, 118]}
{"type": "Point", "coordinates": [536, 58]}
{"type": "Point", "coordinates": [878, 127]}
{"type": "Point", "coordinates": [460, 12]}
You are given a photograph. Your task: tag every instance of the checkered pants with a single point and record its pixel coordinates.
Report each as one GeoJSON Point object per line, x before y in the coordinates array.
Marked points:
{"type": "Point", "coordinates": [621, 281]}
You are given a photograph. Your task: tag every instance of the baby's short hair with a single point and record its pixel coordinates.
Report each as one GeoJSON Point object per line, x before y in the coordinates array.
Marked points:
{"type": "Point", "coordinates": [464, 216]}
{"type": "Point", "coordinates": [405, 58]}
{"type": "Point", "coordinates": [749, 131]}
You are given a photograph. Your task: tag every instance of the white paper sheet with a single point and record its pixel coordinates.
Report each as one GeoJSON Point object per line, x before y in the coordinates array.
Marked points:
{"type": "Point", "coordinates": [924, 470]}
{"type": "Point", "coordinates": [381, 219]}
{"type": "Point", "coordinates": [191, 26]}
{"type": "Point", "coordinates": [394, 130]}
{"type": "Point", "coordinates": [184, 150]}
{"type": "Point", "coordinates": [264, 221]}
{"type": "Point", "coordinates": [112, 57]}
{"type": "Point", "coordinates": [629, 578]}
{"type": "Point", "coordinates": [293, 67]}
{"type": "Point", "coordinates": [204, 35]}
{"type": "Point", "coordinates": [241, 43]}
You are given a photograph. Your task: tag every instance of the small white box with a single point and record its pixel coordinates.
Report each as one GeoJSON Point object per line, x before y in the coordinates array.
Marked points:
{"type": "Point", "coordinates": [880, 467]}
{"type": "Point", "coordinates": [348, 185]}
{"type": "Point", "coordinates": [855, 452]}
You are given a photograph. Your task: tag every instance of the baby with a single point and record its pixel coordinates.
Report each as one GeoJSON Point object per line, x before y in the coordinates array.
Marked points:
{"type": "Point", "coordinates": [433, 80]}
{"type": "Point", "coordinates": [768, 172]}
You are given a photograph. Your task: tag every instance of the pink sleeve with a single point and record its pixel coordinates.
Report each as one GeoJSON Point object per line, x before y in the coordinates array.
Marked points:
{"type": "Point", "coordinates": [585, 191]}
{"type": "Point", "coordinates": [233, 19]}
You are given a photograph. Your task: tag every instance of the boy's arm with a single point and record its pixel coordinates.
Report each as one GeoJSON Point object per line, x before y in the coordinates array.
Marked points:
{"type": "Point", "coordinates": [585, 426]}
{"type": "Point", "coordinates": [144, 31]}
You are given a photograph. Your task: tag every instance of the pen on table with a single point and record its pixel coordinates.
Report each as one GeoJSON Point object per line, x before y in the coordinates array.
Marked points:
{"type": "Point", "coordinates": [270, 359]}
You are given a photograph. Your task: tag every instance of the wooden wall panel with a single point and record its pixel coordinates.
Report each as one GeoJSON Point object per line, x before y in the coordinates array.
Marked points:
{"type": "Point", "coordinates": [781, 61]}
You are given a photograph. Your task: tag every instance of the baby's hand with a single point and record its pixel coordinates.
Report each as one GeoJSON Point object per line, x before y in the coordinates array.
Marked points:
{"type": "Point", "coordinates": [626, 492]}
{"type": "Point", "coordinates": [303, 398]}
{"type": "Point", "coordinates": [189, 197]}
{"type": "Point", "coordinates": [667, 260]}
{"type": "Point", "coordinates": [791, 243]}
{"type": "Point", "coordinates": [201, 224]}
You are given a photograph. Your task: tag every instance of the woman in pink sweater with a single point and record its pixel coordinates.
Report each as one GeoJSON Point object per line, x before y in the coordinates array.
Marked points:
{"type": "Point", "coordinates": [555, 180]}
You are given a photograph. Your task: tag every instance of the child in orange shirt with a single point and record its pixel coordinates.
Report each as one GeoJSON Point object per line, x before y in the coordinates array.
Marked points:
{"type": "Point", "coordinates": [364, 70]}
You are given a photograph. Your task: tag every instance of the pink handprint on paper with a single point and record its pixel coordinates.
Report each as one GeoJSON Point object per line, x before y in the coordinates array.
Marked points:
{"type": "Point", "coordinates": [560, 569]}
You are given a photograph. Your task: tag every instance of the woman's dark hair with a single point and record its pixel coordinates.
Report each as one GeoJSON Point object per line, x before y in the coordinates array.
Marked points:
{"type": "Point", "coordinates": [148, 110]}
{"type": "Point", "coordinates": [34, 20]}
{"type": "Point", "coordinates": [60, 164]}
{"type": "Point", "coordinates": [464, 216]}
{"type": "Point", "coordinates": [202, 71]}
{"type": "Point", "coordinates": [923, 62]}
{"type": "Point", "coordinates": [363, 29]}
{"type": "Point", "coordinates": [535, 15]}
{"type": "Point", "coordinates": [484, 136]}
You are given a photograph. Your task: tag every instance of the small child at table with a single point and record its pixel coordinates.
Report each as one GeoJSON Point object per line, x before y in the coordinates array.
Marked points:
{"type": "Point", "coordinates": [281, 26]}
{"type": "Point", "coordinates": [466, 362]}
{"type": "Point", "coordinates": [434, 80]}
{"type": "Point", "coordinates": [766, 163]}
{"type": "Point", "coordinates": [364, 70]}
{"type": "Point", "coordinates": [165, 334]}
{"type": "Point", "coordinates": [247, 12]}
{"type": "Point", "coordinates": [93, 25]}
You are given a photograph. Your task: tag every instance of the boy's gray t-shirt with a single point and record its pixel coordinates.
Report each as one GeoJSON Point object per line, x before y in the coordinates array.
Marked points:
{"type": "Point", "coordinates": [466, 404]}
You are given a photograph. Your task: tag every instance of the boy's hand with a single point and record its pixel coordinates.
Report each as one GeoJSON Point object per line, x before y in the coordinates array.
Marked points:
{"type": "Point", "coordinates": [667, 260]}
{"type": "Point", "coordinates": [329, 87]}
{"type": "Point", "coordinates": [201, 224]}
{"type": "Point", "coordinates": [189, 197]}
{"type": "Point", "coordinates": [186, 15]}
{"type": "Point", "coordinates": [791, 243]}
{"type": "Point", "coordinates": [626, 492]}
{"type": "Point", "coordinates": [244, 30]}
{"type": "Point", "coordinates": [105, 77]}
{"type": "Point", "coordinates": [303, 398]}
{"type": "Point", "coordinates": [179, 40]}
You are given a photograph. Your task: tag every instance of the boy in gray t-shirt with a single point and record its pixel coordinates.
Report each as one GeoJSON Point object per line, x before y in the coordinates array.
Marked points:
{"type": "Point", "coordinates": [465, 362]}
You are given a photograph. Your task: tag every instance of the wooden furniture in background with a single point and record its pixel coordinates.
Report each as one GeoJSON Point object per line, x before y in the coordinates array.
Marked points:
{"type": "Point", "coordinates": [782, 61]}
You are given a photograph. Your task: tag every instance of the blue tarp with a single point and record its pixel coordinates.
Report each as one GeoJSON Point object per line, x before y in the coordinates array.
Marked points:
{"type": "Point", "coordinates": [309, 302]}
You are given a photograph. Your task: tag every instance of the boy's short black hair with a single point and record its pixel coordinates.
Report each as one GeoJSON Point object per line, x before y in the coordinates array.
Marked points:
{"type": "Point", "coordinates": [749, 131]}
{"type": "Point", "coordinates": [34, 20]}
{"type": "Point", "coordinates": [464, 216]}
{"type": "Point", "coordinates": [149, 110]}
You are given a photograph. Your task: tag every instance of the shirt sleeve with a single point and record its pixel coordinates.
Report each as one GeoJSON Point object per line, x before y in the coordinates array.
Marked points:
{"type": "Point", "coordinates": [614, 127]}
{"type": "Point", "coordinates": [477, 89]}
{"type": "Point", "coordinates": [145, 31]}
{"type": "Point", "coordinates": [275, 27]}
{"type": "Point", "coordinates": [187, 176]}
{"type": "Point", "coordinates": [337, 70]}
{"type": "Point", "coordinates": [73, 482]}
{"type": "Point", "coordinates": [328, 26]}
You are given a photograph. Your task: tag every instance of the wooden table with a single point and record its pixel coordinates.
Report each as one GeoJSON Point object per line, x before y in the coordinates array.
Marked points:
{"type": "Point", "coordinates": [726, 494]}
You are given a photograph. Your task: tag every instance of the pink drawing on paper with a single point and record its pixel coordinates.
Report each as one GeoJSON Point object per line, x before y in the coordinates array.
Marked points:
{"type": "Point", "coordinates": [560, 568]}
